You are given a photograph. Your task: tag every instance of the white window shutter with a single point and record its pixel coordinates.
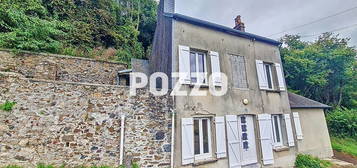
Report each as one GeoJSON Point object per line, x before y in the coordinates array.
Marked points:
{"type": "Point", "coordinates": [187, 141]}
{"type": "Point", "coordinates": [184, 65]}
{"type": "Point", "coordinates": [262, 77]}
{"type": "Point", "coordinates": [289, 130]}
{"type": "Point", "coordinates": [233, 141]}
{"type": "Point", "coordinates": [298, 129]}
{"type": "Point", "coordinates": [220, 137]}
{"type": "Point", "coordinates": [280, 76]}
{"type": "Point", "coordinates": [216, 69]}
{"type": "Point", "coordinates": [265, 127]}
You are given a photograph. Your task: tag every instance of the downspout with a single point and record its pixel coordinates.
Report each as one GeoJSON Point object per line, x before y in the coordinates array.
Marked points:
{"type": "Point", "coordinates": [173, 133]}
{"type": "Point", "coordinates": [122, 125]}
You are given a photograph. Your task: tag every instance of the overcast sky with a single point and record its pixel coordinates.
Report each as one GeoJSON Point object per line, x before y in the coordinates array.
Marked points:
{"type": "Point", "coordinates": [267, 17]}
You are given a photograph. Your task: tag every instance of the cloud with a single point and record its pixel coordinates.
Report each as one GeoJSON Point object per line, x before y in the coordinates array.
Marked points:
{"type": "Point", "coordinates": [265, 18]}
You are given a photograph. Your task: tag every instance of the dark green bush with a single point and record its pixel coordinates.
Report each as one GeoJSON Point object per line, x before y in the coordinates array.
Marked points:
{"type": "Point", "coordinates": [307, 161]}
{"type": "Point", "coordinates": [342, 122]}
{"type": "Point", "coordinates": [7, 106]}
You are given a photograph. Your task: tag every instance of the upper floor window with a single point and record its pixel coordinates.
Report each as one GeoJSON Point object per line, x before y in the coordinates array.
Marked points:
{"type": "Point", "coordinates": [269, 75]}
{"type": "Point", "coordinates": [198, 67]}
{"type": "Point", "coordinates": [239, 75]}
{"type": "Point", "coordinates": [193, 66]}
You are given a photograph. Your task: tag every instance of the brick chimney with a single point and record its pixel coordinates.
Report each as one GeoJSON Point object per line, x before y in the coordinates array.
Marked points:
{"type": "Point", "coordinates": [239, 24]}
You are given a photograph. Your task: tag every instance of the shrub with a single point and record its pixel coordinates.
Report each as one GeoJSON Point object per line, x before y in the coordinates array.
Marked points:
{"type": "Point", "coordinates": [7, 106]}
{"type": "Point", "coordinates": [307, 161]}
{"type": "Point", "coordinates": [343, 122]}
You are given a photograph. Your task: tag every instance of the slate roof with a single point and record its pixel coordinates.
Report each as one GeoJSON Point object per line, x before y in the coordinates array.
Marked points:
{"type": "Point", "coordinates": [217, 27]}
{"type": "Point", "coordinates": [300, 102]}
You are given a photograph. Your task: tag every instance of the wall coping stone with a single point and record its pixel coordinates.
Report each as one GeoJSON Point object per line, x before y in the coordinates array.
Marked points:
{"type": "Point", "coordinates": [31, 53]}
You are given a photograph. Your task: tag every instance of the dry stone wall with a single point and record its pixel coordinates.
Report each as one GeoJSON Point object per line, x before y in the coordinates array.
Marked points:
{"type": "Point", "coordinates": [60, 68]}
{"type": "Point", "coordinates": [66, 123]}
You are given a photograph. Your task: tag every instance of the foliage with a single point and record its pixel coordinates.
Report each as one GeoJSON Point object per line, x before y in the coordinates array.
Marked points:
{"type": "Point", "coordinates": [307, 161]}
{"type": "Point", "coordinates": [345, 145]}
{"type": "Point", "coordinates": [342, 122]}
{"type": "Point", "coordinates": [324, 70]}
{"type": "Point", "coordinates": [78, 27]}
{"type": "Point", "coordinates": [7, 106]}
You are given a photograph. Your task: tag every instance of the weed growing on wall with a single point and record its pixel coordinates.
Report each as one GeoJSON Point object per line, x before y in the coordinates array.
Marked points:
{"type": "Point", "coordinates": [7, 106]}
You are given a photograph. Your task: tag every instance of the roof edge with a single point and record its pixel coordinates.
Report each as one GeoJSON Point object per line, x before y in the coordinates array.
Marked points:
{"type": "Point", "coordinates": [221, 28]}
{"type": "Point", "coordinates": [329, 107]}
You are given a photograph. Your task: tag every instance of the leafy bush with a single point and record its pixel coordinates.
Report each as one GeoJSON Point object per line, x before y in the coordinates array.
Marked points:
{"type": "Point", "coordinates": [307, 161]}
{"type": "Point", "coordinates": [342, 122]}
{"type": "Point", "coordinates": [7, 106]}
{"type": "Point", "coordinates": [76, 28]}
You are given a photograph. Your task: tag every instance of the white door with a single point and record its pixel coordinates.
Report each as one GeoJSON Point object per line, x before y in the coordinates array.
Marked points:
{"type": "Point", "coordinates": [241, 140]}
{"type": "Point", "coordinates": [248, 143]}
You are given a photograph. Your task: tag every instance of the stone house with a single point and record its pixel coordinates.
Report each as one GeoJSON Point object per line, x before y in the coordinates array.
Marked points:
{"type": "Point", "coordinates": [257, 123]}
{"type": "Point", "coordinates": [70, 111]}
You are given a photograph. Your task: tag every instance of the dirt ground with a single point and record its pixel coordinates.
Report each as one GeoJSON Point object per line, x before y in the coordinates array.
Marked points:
{"type": "Point", "coordinates": [345, 157]}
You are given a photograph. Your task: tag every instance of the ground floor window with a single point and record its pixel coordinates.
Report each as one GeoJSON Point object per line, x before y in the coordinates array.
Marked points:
{"type": "Point", "coordinates": [277, 133]}
{"type": "Point", "coordinates": [202, 138]}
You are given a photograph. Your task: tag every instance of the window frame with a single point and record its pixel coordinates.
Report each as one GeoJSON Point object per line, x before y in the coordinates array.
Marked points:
{"type": "Point", "coordinates": [202, 155]}
{"type": "Point", "coordinates": [197, 65]}
{"type": "Point", "coordinates": [265, 64]}
{"type": "Point", "coordinates": [275, 140]}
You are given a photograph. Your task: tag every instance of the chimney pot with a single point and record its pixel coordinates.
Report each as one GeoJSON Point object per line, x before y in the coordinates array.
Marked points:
{"type": "Point", "coordinates": [239, 25]}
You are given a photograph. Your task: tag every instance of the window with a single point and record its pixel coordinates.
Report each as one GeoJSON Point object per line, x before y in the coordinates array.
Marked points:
{"type": "Point", "coordinates": [267, 70]}
{"type": "Point", "coordinates": [198, 67]}
{"type": "Point", "coordinates": [277, 134]}
{"type": "Point", "coordinates": [239, 76]}
{"type": "Point", "coordinates": [202, 138]}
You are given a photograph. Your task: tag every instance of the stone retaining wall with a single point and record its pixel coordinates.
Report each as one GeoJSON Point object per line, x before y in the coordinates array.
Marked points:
{"type": "Point", "coordinates": [79, 124]}
{"type": "Point", "coordinates": [60, 68]}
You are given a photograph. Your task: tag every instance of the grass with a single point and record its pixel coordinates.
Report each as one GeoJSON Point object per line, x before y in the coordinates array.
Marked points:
{"type": "Point", "coordinates": [345, 145]}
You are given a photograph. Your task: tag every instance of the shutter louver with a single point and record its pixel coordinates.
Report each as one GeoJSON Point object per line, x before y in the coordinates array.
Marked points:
{"type": "Point", "coordinates": [262, 77]}
{"type": "Point", "coordinates": [216, 69]}
{"type": "Point", "coordinates": [187, 141]}
{"type": "Point", "coordinates": [184, 65]}
{"type": "Point", "coordinates": [280, 76]}
{"type": "Point", "coordinates": [265, 127]}
{"type": "Point", "coordinates": [220, 137]}
{"type": "Point", "coordinates": [289, 130]}
{"type": "Point", "coordinates": [233, 141]}
{"type": "Point", "coordinates": [298, 129]}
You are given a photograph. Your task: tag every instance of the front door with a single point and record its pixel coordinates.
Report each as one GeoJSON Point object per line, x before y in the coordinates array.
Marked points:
{"type": "Point", "coordinates": [241, 140]}
{"type": "Point", "coordinates": [248, 144]}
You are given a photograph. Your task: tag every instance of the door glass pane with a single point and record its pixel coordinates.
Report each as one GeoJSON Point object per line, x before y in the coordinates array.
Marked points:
{"type": "Point", "coordinates": [196, 133]}
{"type": "Point", "coordinates": [267, 68]}
{"type": "Point", "coordinates": [277, 132]}
{"type": "Point", "coordinates": [205, 136]}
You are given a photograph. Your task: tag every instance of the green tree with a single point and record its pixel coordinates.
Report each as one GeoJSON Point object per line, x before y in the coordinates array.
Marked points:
{"type": "Point", "coordinates": [323, 70]}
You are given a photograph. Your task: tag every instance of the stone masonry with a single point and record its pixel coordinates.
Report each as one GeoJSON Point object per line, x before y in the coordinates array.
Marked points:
{"type": "Point", "coordinates": [75, 124]}
{"type": "Point", "coordinates": [60, 68]}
